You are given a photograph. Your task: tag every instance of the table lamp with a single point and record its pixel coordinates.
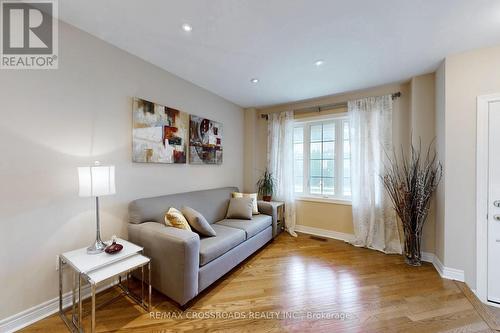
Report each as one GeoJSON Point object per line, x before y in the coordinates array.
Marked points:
{"type": "Point", "coordinates": [96, 181]}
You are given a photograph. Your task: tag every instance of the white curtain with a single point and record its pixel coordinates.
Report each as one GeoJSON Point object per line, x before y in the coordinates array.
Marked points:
{"type": "Point", "coordinates": [375, 224]}
{"type": "Point", "coordinates": [280, 162]}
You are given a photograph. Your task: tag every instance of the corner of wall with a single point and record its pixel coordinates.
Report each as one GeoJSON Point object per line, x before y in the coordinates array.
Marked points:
{"type": "Point", "coordinates": [440, 107]}
{"type": "Point", "coordinates": [249, 150]}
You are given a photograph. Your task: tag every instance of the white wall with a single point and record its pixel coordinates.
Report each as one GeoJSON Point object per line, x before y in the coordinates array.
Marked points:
{"type": "Point", "coordinates": [54, 121]}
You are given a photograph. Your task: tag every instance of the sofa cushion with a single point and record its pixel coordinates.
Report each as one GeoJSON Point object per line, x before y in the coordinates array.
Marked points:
{"type": "Point", "coordinates": [255, 209]}
{"type": "Point", "coordinates": [240, 208]}
{"type": "Point", "coordinates": [197, 222]}
{"type": "Point", "coordinates": [174, 218]}
{"type": "Point", "coordinates": [213, 247]}
{"type": "Point", "coordinates": [251, 227]}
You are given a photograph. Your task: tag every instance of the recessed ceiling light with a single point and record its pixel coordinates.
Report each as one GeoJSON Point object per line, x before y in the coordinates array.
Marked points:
{"type": "Point", "coordinates": [254, 80]}
{"type": "Point", "coordinates": [187, 28]}
{"type": "Point", "coordinates": [319, 62]}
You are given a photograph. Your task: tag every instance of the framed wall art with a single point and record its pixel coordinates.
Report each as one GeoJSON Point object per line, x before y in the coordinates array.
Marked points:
{"type": "Point", "coordinates": [205, 141]}
{"type": "Point", "coordinates": [160, 133]}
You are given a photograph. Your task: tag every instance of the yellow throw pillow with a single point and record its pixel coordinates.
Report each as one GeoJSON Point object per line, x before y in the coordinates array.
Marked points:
{"type": "Point", "coordinates": [174, 218]}
{"type": "Point", "coordinates": [255, 209]}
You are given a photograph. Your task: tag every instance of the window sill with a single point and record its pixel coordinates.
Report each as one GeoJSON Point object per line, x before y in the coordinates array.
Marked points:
{"type": "Point", "coordinates": [345, 202]}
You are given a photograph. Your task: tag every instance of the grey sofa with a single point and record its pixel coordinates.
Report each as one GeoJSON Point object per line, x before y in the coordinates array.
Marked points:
{"type": "Point", "coordinates": [183, 264]}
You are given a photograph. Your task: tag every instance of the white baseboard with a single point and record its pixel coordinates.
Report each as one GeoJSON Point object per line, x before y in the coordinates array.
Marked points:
{"type": "Point", "coordinates": [324, 233]}
{"type": "Point", "coordinates": [43, 310]}
{"type": "Point", "coordinates": [428, 257]}
{"type": "Point", "coordinates": [445, 272]}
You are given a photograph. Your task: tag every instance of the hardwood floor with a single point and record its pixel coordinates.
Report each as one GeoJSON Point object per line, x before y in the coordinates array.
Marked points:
{"type": "Point", "coordinates": [323, 286]}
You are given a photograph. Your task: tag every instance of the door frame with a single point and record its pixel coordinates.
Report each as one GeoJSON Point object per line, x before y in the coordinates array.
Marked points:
{"type": "Point", "coordinates": [482, 148]}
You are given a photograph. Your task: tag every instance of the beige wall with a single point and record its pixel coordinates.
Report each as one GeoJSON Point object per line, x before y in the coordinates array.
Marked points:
{"type": "Point", "coordinates": [250, 143]}
{"type": "Point", "coordinates": [54, 121]}
{"type": "Point", "coordinates": [326, 216]}
{"type": "Point", "coordinates": [467, 76]}
{"type": "Point", "coordinates": [422, 128]}
{"type": "Point", "coordinates": [440, 148]}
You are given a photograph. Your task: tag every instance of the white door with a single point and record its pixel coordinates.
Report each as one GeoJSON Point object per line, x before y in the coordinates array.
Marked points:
{"type": "Point", "coordinates": [493, 287]}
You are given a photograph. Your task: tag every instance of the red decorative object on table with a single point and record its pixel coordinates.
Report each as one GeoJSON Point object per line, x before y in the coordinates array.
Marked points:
{"type": "Point", "coordinates": [113, 248]}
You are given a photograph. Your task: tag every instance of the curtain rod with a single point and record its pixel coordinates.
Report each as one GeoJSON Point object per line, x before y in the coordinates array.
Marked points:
{"type": "Point", "coordinates": [325, 107]}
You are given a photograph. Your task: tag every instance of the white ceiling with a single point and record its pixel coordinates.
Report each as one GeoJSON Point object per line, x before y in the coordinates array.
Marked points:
{"type": "Point", "coordinates": [364, 43]}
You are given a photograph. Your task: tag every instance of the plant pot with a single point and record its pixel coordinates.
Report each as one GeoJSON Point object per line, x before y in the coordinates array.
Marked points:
{"type": "Point", "coordinates": [412, 253]}
{"type": "Point", "coordinates": [266, 198]}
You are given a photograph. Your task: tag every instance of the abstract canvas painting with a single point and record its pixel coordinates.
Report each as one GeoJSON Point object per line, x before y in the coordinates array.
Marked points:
{"type": "Point", "coordinates": [205, 141]}
{"type": "Point", "coordinates": [160, 133]}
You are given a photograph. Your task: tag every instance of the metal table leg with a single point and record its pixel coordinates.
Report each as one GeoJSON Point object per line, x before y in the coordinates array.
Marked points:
{"type": "Point", "coordinates": [149, 282]}
{"type": "Point", "coordinates": [142, 284]}
{"type": "Point", "coordinates": [80, 308]}
{"type": "Point", "coordinates": [60, 284]}
{"type": "Point", "coordinates": [73, 298]}
{"type": "Point", "coordinates": [71, 324]}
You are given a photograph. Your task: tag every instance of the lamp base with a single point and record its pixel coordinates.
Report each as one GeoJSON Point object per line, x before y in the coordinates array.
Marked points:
{"type": "Point", "coordinates": [97, 247]}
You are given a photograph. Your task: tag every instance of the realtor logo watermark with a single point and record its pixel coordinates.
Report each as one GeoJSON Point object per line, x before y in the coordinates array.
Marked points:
{"type": "Point", "coordinates": [29, 34]}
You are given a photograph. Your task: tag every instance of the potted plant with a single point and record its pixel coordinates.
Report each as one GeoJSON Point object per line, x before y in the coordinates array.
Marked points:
{"type": "Point", "coordinates": [410, 182]}
{"type": "Point", "coordinates": [266, 185]}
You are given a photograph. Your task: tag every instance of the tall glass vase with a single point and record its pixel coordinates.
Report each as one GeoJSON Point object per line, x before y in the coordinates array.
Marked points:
{"type": "Point", "coordinates": [412, 252]}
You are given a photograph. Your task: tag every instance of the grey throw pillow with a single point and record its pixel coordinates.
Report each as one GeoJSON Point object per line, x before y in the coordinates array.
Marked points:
{"type": "Point", "coordinates": [198, 222]}
{"type": "Point", "coordinates": [240, 208]}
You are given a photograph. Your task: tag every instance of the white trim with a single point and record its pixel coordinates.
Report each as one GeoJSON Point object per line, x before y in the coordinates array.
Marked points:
{"type": "Point", "coordinates": [325, 200]}
{"type": "Point", "coordinates": [43, 310]}
{"type": "Point", "coordinates": [496, 305]}
{"type": "Point", "coordinates": [482, 195]}
{"type": "Point", "coordinates": [338, 122]}
{"type": "Point", "coordinates": [324, 233]}
{"type": "Point", "coordinates": [428, 257]}
{"type": "Point", "coordinates": [445, 272]}
{"type": "Point", "coordinates": [331, 116]}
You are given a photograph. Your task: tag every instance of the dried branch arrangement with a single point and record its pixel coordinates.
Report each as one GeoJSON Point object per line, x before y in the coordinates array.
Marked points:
{"type": "Point", "coordinates": [410, 181]}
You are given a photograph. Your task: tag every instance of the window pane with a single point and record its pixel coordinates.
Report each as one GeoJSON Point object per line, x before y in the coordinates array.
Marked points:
{"type": "Point", "coordinates": [315, 150]}
{"type": "Point", "coordinates": [328, 168]}
{"type": "Point", "coordinates": [298, 134]}
{"type": "Point", "coordinates": [299, 182]}
{"type": "Point", "coordinates": [315, 168]}
{"type": "Point", "coordinates": [298, 151]}
{"type": "Point", "coordinates": [347, 168]}
{"type": "Point", "coordinates": [316, 133]}
{"type": "Point", "coordinates": [298, 168]}
{"type": "Point", "coordinates": [346, 130]}
{"type": "Point", "coordinates": [347, 149]}
{"type": "Point", "coordinates": [315, 185]}
{"type": "Point", "coordinates": [328, 186]}
{"type": "Point", "coordinates": [329, 149]}
{"type": "Point", "coordinates": [347, 187]}
{"type": "Point", "coordinates": [329, 132]}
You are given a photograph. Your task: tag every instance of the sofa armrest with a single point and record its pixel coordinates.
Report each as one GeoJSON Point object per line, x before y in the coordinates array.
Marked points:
{"type": "Point", "coordinates": [268, 208]}
{"type": "Point", "coordinates": [174, 257]}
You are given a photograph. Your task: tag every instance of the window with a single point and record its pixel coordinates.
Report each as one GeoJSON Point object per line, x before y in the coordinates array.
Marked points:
{"type": "Point", "coordinates": [322, 158]}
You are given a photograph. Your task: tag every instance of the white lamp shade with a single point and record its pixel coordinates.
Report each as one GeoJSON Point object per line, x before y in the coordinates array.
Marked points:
{"type": "Point", "coordinates": [96, 181]}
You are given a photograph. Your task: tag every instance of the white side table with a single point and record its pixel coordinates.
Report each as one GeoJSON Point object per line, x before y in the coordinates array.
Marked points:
{"type": "Point", "coordinates": [96, 268]}
{"type": "Point", "coordinates": [280, 218]}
